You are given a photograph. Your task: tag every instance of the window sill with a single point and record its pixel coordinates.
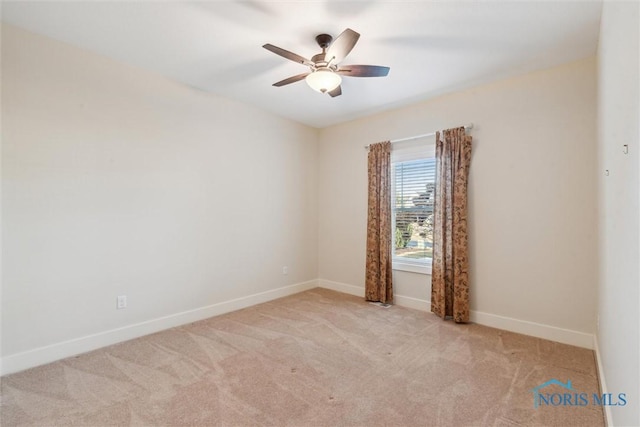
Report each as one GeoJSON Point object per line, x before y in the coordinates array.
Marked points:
{"type": "Point", "coordinates": [419, 268]}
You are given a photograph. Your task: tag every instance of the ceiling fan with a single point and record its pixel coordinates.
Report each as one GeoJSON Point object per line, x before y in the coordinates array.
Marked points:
{"type": "Point", "coordinates": [325, 74]}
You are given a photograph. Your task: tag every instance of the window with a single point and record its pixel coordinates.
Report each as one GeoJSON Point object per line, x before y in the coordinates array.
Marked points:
{"type": "Point", "coordinates": [413, 186]}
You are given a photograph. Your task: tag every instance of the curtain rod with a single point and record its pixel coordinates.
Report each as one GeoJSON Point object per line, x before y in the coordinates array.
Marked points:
{"type": "Point", "coordinates": [466, 127]}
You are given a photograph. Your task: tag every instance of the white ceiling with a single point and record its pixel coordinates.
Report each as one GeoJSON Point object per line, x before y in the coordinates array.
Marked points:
{"type": "Point", "coordinates": [216, 46]}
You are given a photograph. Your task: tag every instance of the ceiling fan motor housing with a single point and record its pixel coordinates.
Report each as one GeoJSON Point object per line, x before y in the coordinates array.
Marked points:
{"type": "Point", "coordinates": [324, 40]}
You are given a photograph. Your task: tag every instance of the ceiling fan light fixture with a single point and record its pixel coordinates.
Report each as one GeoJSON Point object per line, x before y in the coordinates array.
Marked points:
{"type": "Point", "coordinates": [323, 80]}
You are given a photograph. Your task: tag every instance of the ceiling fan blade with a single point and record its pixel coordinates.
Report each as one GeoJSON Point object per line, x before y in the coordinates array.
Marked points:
{"type": "Point", "coordinates": [336, 92]}
{"type": "Point", "coordinates": [341, 46]}
{"type": "Point", "coordinates": [291, 79]}
{"type": "Point", "coordinates": [286, 54]}
{"type": "Point", "coordinates": [363, 71]}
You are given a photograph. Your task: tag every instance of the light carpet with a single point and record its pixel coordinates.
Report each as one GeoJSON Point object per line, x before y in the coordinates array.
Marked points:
{"type": "Point", "coordinates": [318, 358]}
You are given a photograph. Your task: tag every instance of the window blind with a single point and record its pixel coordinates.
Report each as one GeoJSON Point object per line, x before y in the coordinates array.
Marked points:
{"type": "Point", "coordinates": [413, 186]}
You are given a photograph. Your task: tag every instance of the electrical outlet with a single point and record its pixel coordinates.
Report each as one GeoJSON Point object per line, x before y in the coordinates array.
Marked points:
{"type": "Point", "coordinates": [121, 302]}
{"type": "Point", "coordinates": [285, 270]}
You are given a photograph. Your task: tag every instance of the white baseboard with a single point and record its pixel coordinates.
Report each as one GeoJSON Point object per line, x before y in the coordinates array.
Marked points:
{"type": "Point", "coordinates": [538, 330]}
{"type": "Point", "coordinates": [401, 300]}
{"type": "Point", "coordinates": [39, 356]}
{"type": "Point", "coordinates": [415, 303]}
{"type": "Point", "coordinates": [341, 287]}
{"type": "Point", "coordinates": [601, 379]}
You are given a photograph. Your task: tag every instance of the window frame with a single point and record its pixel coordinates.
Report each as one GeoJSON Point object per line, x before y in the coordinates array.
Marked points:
{"type": "Point", "coordinates": [423, 148]}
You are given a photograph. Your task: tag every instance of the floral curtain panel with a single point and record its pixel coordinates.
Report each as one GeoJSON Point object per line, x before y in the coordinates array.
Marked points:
{"type": "Point", "coordinates": [450, 268]}
{"type": "Point", "coordinates": [378, 283]}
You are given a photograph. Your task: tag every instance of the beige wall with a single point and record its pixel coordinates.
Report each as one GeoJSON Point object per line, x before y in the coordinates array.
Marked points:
{"type": "Point", "coordinates": [532, 195]}
{"type": "Point", "coordinates": [117, 181]}
{"type": "Point", "coordinates": [619, 123]}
